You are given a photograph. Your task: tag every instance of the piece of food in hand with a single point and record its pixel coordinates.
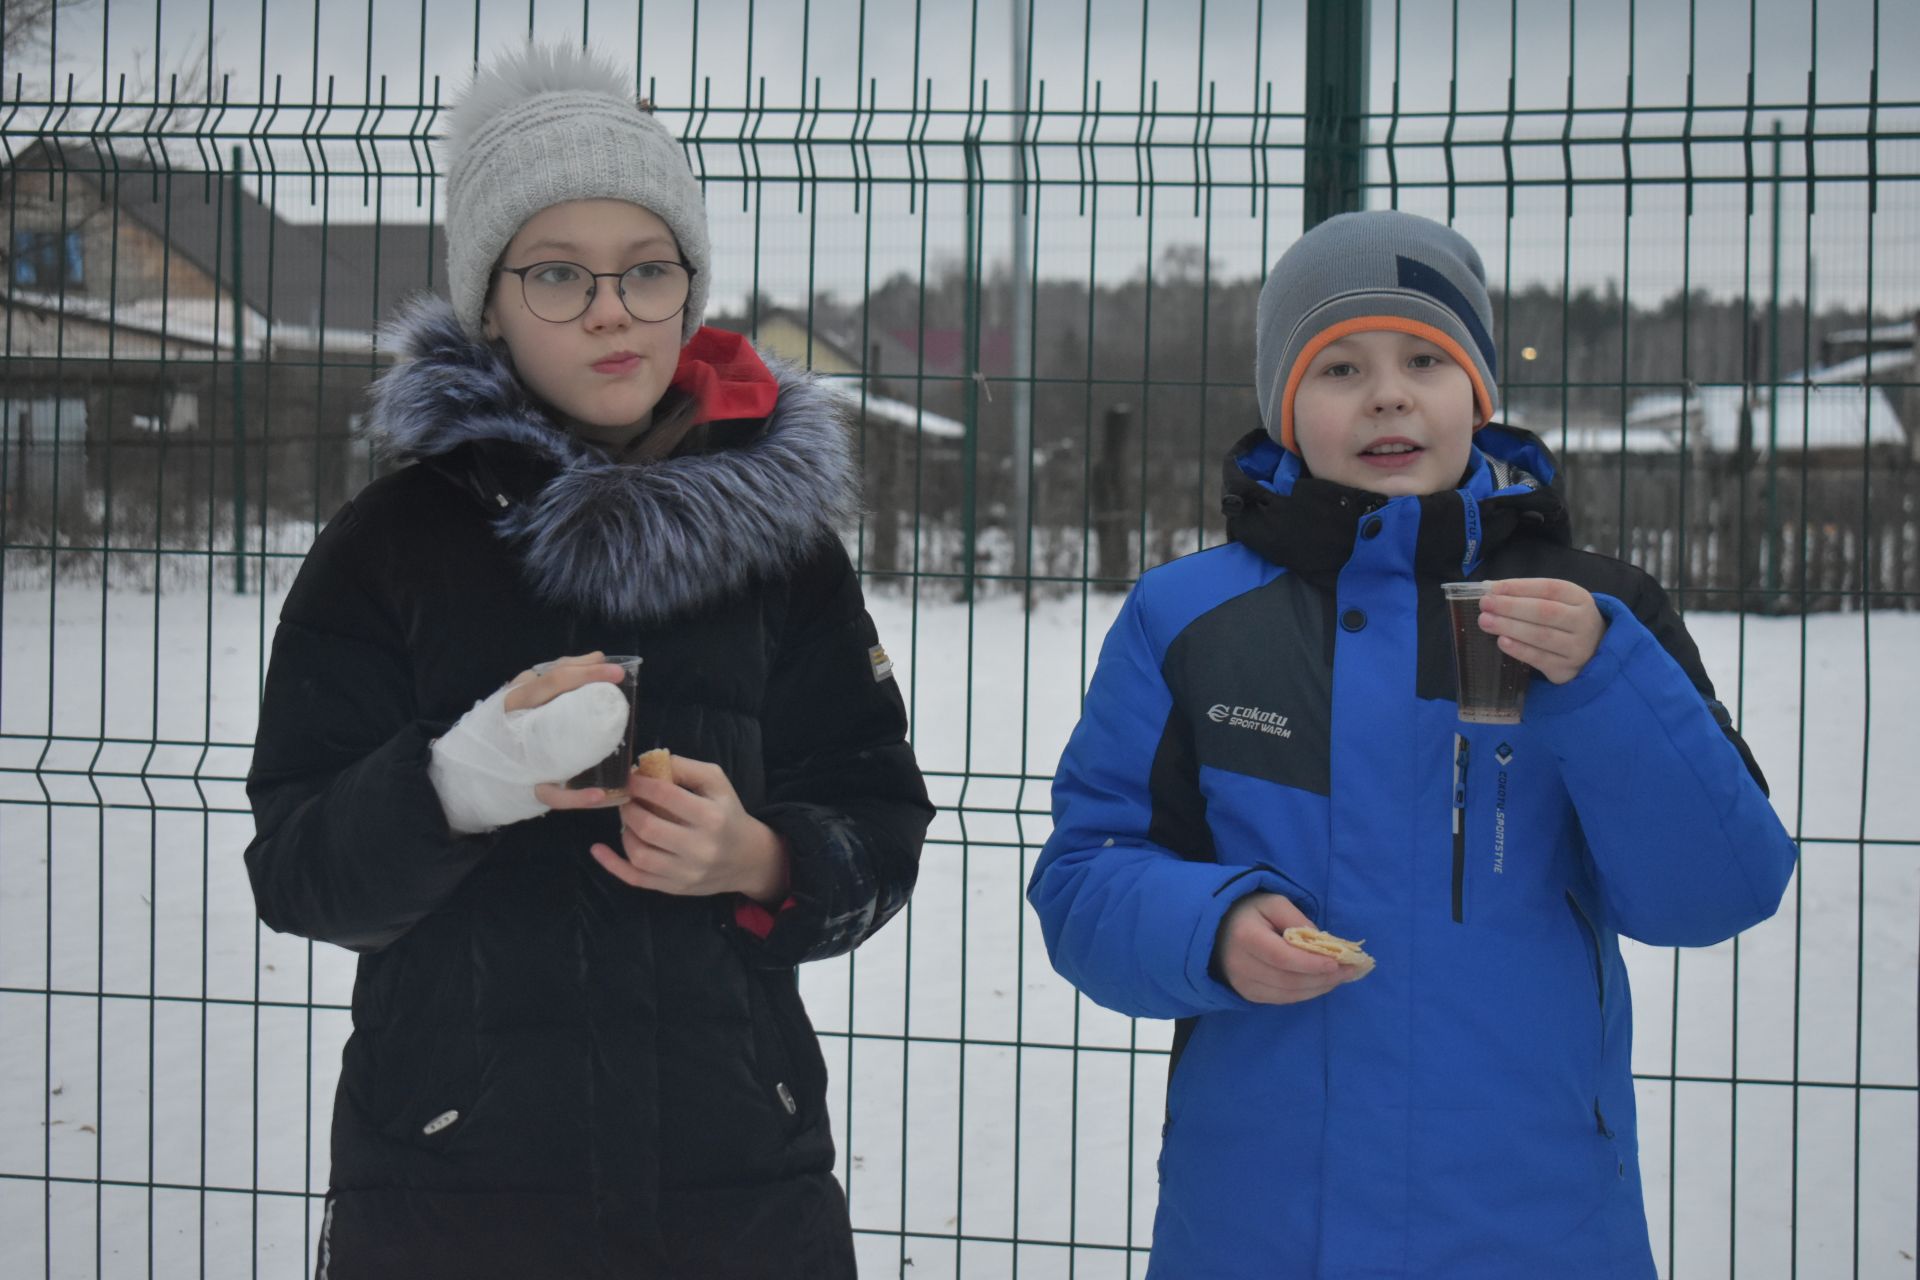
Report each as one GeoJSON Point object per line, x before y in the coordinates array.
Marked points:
{"type": "Point", "coordinates": [657, 763]}
{"type": "Point", "coordinates": [1322, 943]}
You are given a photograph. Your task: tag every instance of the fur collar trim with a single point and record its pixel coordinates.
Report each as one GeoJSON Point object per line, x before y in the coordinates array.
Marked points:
{"type": "Point", "coordinates": [633, 542]}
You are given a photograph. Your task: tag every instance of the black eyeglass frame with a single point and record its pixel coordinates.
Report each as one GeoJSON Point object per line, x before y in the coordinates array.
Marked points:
{"type": "Point", "coordinates": [593, 289]}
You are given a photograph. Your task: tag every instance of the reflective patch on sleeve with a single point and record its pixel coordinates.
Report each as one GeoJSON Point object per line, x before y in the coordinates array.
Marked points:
{"type": "Point", "coordinates": [882, 664]}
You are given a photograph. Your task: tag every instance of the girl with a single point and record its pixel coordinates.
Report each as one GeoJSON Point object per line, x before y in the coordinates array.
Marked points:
{"type": "Point", "coordinates": [578, 1045]}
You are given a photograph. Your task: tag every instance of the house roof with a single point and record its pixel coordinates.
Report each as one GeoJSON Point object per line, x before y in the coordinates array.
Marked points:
{"type": "Point", "coordinates": [900, 413]}
{"type": "Point", "coordinates": [943, 352]}
{"type": "Point", "coordinates": [1889, 364]}
{"type": "Point", "coordinates": [847, 350]}
{"type": "Point", "coordinates": [1591, 436]}
{"type": "Point", "coordinates": [377, 265]}
{"type": "Point", "coordinates": [296, 273]}
{"type": "Point", "coordinates": [1897, 331]}
{"type": "Point", "coordinates": [1820, 416]}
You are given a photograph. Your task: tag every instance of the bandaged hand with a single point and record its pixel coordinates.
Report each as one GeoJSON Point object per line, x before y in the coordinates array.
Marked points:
{"type": "Point", "coordinates": [535, 729]}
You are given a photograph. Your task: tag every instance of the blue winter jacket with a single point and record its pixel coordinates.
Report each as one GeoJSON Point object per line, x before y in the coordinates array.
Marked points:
{"type": "Point", "coordinates": [1277, 714]}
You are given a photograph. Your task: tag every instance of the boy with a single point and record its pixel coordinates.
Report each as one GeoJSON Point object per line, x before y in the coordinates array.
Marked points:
{"type": "Point", "coordinates": [1271, 740]}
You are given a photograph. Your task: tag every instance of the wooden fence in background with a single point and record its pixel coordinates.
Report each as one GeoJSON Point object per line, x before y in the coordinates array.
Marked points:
{"type": "Point", "coordinates": [1818, 532]}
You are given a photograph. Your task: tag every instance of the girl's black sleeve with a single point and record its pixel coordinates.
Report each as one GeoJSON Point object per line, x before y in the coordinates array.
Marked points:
{"type": "Point", "coordinates": [351, 845]}
{"type": "Point", "coordinates": [843, 787]}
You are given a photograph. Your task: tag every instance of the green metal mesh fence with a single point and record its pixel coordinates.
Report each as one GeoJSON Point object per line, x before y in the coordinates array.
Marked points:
{"type": "Point", "coordinates": [1026, 241]}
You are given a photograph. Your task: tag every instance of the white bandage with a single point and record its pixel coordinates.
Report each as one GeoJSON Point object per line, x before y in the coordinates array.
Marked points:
{"type": "Point", "coordinates": [486, 766]}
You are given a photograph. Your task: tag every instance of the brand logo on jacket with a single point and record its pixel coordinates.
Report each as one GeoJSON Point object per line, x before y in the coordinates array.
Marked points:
{"type": "Point", "coordinates": [1503, 755]}
{"type": "Point", "coordinates": [1250, 718]}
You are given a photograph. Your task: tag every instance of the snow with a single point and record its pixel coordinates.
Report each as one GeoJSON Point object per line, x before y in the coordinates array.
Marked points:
{"type": "Point", "coordinates": [1819, 416]}
{"type": "Point", "coordinates": [1886, 366]}
{"type": "Point", "coordinates": [912, 417]}
{"type": "Point", "coordinates": [207, 322]}
{"type": "Point", "coordinates": [977, 1099]}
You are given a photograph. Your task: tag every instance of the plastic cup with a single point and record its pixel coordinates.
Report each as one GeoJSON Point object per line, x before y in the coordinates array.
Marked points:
{"type": "Point", "coordinates": [610, 774]}
{"type": "Point", "coordinates": [1492, 684]}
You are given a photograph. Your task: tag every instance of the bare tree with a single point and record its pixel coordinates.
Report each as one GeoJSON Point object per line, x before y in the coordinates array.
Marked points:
{"type": "Point", "coordinates": [27, 22]}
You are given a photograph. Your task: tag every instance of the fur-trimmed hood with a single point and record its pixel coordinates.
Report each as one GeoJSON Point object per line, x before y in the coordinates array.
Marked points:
{"type": "Point", "coordinates": [636, 542]}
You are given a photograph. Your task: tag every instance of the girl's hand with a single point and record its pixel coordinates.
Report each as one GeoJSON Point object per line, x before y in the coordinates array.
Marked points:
{"type": "Point", "coordinates": [690, 836]}
{"type": "Point", "coordinates": [540, 685]}
{"type": "Point", "coordinates": [494, 765]}
{"type": "Point", "coordinates": [537, 686]}
{"type": "Point", "coordinates": [1262, 965]}
{"type": "Point", "coordinates": [1551, 625]}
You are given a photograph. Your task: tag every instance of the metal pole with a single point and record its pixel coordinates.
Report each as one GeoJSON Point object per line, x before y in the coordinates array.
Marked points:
{"type": "Point", "coordinates": [1022, 523]}
{"type": "Point", "coordinates": [970, 444]}
{"type": "Point", "coordinates": [1773, 387]}
{"type": "Point", "coordinates": [239, 397]}
{"type": "Point", "coordinates": [1336, 108]}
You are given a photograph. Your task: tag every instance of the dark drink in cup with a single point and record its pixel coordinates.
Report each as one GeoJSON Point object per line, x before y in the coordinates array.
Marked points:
{"type": "Point", "coordinates": [1492, 685]}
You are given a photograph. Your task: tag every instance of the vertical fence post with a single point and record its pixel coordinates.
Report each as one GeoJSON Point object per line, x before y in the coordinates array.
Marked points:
{"type": "Point", "coordinates": [1019, 525]}
{"type": "Point", "coordinates": [1110, 499]}
{"type": "Point", "coordinates": [883, 453]}
{"type": "Point", "coordinates": [239, 396]}
{"type": "Point", "coordinates": [1336, 108]}
{"type": "Point", "coordinates": [970, 365]}
{"type": "Point", "coordinates": [1773, 388]}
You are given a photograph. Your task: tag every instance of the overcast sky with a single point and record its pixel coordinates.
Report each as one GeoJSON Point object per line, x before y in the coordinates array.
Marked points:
{"type": "Point", "coordinates": [1238, 57]}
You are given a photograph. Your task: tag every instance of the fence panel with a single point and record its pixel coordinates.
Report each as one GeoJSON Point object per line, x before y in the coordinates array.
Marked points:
{"type": "Point", "coordinates": [1027, 241]}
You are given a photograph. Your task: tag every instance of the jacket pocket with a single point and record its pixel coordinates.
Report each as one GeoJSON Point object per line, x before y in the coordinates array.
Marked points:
{"type": "Point", "coordinates": [1590, 946]}
{"type": "Point", "coordinates": [1592, 938]}
{"type": "Point", "coordinates": [791, 1069]}
{"type": "Point", "coordinates": [426, 1085]}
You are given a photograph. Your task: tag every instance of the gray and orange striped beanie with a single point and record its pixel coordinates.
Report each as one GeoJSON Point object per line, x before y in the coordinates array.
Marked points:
{"type": "Point", "coordinates": [1379, 269]}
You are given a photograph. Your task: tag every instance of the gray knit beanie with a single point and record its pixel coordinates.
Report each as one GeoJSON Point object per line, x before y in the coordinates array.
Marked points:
{"type": "Point", "coordinates": [543, 125]}
{"type": "Point", "coordinates": [1380, 269]}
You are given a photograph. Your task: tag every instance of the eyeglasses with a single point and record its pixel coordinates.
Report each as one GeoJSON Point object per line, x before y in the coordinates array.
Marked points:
{"type": "Point", "coordinates": [559, 292]}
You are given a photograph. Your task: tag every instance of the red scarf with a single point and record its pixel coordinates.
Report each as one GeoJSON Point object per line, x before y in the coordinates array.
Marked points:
{"type": "Point", "coordinates": [725, 376]}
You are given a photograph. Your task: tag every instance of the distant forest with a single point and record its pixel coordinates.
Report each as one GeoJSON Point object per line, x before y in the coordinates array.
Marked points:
{"type": "Point", "coordinates": [1184, 328]}
{"type": "Point", "coordinates": [1130, 424]}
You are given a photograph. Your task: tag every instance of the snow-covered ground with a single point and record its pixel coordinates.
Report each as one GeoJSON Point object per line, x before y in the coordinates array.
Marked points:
{"type": "Point", "coordinates": [155, 1041]}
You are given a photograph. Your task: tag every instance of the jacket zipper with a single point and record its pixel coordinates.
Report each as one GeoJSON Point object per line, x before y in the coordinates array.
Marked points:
{"type": "Point", "coordinates": [1600, 990]}
{"type": "Point", "coordinates": [1460, 752]}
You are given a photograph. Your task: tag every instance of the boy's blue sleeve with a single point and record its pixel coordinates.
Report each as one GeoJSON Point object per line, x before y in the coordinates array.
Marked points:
{"type": "Point", "coordinates": [1126, 919]}
{"type": "Point", "coordinates": [1685, 845]}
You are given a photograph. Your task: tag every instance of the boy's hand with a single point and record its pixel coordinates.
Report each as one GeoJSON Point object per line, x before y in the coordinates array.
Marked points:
{"type": "Point", "coordinates": [1551, 625]}
{"type": "Point", "coordinates": [1263, 966]}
